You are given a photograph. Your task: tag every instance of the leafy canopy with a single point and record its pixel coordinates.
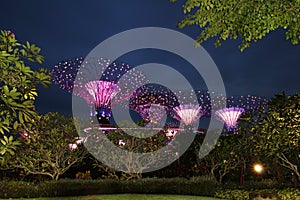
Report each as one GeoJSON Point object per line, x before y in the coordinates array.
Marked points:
{"type": "Point", "coordinates": [245, 19]}
{"type": "Point", "coordinates": [48, 149]}
{"type": "Point", "coordinates": [277, 132]}
{"type": "Point", "coordinates": [18, 83]}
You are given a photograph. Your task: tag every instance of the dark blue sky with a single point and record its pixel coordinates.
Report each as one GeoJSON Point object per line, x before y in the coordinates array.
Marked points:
{"type": "Point", "coordinates": [68, 29]}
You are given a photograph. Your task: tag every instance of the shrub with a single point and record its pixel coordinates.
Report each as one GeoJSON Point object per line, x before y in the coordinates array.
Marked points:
{"type": "Point", "coordinates": [262, 184]}
{"type": "Point", "coordinates": [284, 194]}
{"type": "Point", "coordinates": [203, 186]}
{"type": "Point", "coordinates": [17, 189]}
{"type": "Point", "coordinates": [233, 194]}
{"type": "Point", "coordinates": [264, 194]}
{"type": "Point", "coordinates": [254, 185]}
{"type": "Point", "coordinates": [289, 194]}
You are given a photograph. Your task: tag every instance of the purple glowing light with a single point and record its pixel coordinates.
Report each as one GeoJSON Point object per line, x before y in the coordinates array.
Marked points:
{"type": "Point", "coordinates": [151, 112]}
{"type": "Point", "coordinates": [98, 81]}
{"type": "Point", "coordinates": [102, 92]}
{"type": "Point", "coordinates": [64, 73]}
{"type": "Point", "coordinates": [229, 116]}
{"type": "Point", "coordinates": [188, 113]}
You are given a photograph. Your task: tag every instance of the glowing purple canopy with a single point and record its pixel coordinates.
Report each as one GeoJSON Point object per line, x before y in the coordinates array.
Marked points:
{"type": "Point", "coordinates": [64, 73]}
{"type": "Point", "coordinates": [188, 113]}
{"type": "Point", "coordinates": [95, 80]}
{"type": "Point", "coordinates": [229, 116]}
{"type": "Point", "coordinates": [102, 92]}
{"type": "Point", "coordinates": [151, 112]}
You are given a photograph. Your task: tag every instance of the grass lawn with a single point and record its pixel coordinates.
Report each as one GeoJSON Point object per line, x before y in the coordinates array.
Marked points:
{"type": "Point", "coordinates": [130, 197]}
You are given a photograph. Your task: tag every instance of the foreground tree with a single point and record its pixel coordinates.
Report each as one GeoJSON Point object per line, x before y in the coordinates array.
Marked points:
{"type": "Point", "coordinates": [50, 149]}
{"type": "Point", "coordinates": [230, 154]}
{"type": "Point", "coordinates": [249, 20]}
{"type": "Point", "coordinates": [277, 134]}
{"type": "Point", "coordinates": [128, 162]}
{"type": "Point", "coordinates": [18, 87]}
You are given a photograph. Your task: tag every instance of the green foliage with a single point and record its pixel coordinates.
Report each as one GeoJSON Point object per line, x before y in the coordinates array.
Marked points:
{"type": "Point", "coordinates": [200, 186]}
{"type": "Point", "coordinates": [18, 83]}
{"type": "Point", "coordinates": [79, 187]}
{"type": "Point", "coordinates": [17, 189]}
{"type": "Point", "coordinates": [130, 144]}
{"type": "Point", "coordinates": [277, 134]}
{"type": "Point", "coordinates": [284, 194]}
{"type": "Point", "coordinates": [46, 152]}
{"type": "Point", "coordinates": [264, 194]}
{"type": "Point", "coordinates": [248, 20]}
{"type": "Point", "coordinates": [289, 194]}
{"type": "Point", "coordinates": [229, 154]}
{"type": "Point", "coordinates": [7, 145]}
{"type": "Point", "coordinates": [233, 194]}
{"type": "Point", "coordinates": [261, 184]}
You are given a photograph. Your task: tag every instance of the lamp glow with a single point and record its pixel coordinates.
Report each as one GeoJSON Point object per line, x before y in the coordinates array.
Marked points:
{"type": "Point", "coordinates": [258, 168]}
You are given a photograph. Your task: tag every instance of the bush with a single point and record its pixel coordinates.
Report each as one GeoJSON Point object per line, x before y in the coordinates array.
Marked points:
{"type": "Point", "coordinates": [262, 184]}
{"type": "Point", "coordinates": [284, 194]}
{"type": "Point", "coordinates": [233, 194]}
{"type": "Point", "coordinates": [17, 189]}
{"type": "Point", "coordinates": [203, 186]}
{"type": "Point", "coordinates": [77, 187]}
{"type": "Point", "coordinates": [289, 194]}
{"type": "Point", "coordinates": [264, 194]}
{"type": "Point", "coordinates": [254, 185]}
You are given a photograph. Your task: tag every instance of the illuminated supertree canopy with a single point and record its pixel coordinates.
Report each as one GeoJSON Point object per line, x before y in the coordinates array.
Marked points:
{"type": "Point", "coordinates": [64, 73]}
{"type": "Point", "coordinates": [188, 113]}
{"type": "Point", "coordinates": [153, 101]}
{"type": "Point", "coordinates": [236, 106]}
{"type": "Point", "coordinates": [119, 81]}
{"type": "Point", "coordinates": [102, 92]}
{"type": "Point", "coordinates": [191, 106]}
{"type": "Point", "coordinates": [230, 117]}
{"type": "Point", "coordinates": [100, 82]}
{"type": "Point", "coordinates": [151, 112]}
{"type": "Point", "coordinates": [153, 94]}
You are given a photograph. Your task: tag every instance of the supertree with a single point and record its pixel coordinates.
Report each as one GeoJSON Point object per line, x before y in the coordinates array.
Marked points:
{"type": "Point", "coordinates": [100, 82]}
{"type": "Point", "coordinates": [101, 93]}
{"type": "Point", "coordinates": [236, 106]}
{"type": "Point", "coordinates": [188, 113]}
{"type": "Point", "coordinates": [64, 73]}
{"type": "Point", "coordinates": [152, 102]}
{"type": "Point", "coordinates": [151, 112]}
{"type": "Point", "coordinates": [230, 117]}
{"type": "Point", "coordinates": [192, 106]}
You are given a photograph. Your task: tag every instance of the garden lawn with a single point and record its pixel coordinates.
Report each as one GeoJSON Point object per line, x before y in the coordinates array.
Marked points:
{"type": "Point", "coordinates": [129, 197]}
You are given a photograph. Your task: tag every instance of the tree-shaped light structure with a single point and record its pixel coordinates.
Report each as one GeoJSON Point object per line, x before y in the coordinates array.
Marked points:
{"type": "Point", "coordinates": [236, 106]}
{"type": "Point", "coordinates": [230, 117]}
{"type": "Point", "coordinates": [191, 106]}
{"type": "Point", "coordinates": [188, 113]}
{"type": "Point", "coordinates": [101, 93]}
{"type": "Point", "coordinates": [151, 112]}
{"type": "Point", "coordinates": [98, 81]}
{"type": "Point", "coordinates": [64, 73]}
{"type": "Point", "coordinates": [152, 102]}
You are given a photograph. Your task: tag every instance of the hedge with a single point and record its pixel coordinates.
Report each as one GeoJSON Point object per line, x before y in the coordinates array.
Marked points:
{"type": "Point", "coordinates": [278, 194]}
{"type": "Point", "coordinates": [204, 186]}
{"type": "Point", "coordinates": [200, 186]}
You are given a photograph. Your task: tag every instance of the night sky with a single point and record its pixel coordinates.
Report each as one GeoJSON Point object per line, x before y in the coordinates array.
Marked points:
{"type": "Point", "coordinates": [69, 29]}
